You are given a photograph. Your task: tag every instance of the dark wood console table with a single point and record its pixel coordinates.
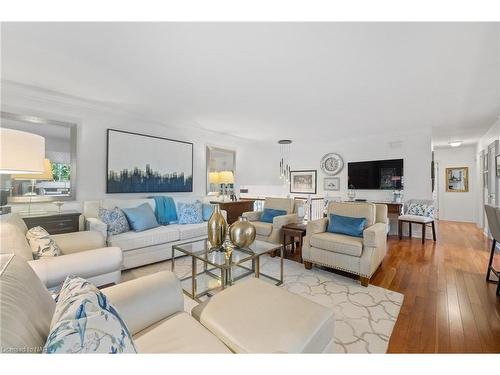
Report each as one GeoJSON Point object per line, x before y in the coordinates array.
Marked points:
{"type": "Point", "coordinates": [235, 209]}
{"type": "Point", "coordinates": [54, 222]}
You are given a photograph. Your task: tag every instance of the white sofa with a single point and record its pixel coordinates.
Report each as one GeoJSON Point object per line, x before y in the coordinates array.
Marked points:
{"type": "Point", "coordinates": [357, 255]}
{"type": "Point", "coordinates": [83, 254]}
{"type": "Point", "coordinates": [153, 309]}
{"type": "Point", "coordinates": [146, 247]}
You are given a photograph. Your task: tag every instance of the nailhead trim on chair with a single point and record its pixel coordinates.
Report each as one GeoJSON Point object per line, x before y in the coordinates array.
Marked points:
{"type": "Point", "coordinates": [337, 268]}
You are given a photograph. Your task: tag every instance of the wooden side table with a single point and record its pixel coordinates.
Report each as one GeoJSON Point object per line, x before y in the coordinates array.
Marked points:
{"type": "Point", "coordinates": [54, 222]}
{"type": "Point", "coordinates": [235, 209]}
{"type": "Point", "coordinates": [294, 231]}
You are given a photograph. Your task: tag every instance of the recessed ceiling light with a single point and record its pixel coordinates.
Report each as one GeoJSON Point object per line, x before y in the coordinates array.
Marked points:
{"type": "Point", "coordinates": [455, 143]}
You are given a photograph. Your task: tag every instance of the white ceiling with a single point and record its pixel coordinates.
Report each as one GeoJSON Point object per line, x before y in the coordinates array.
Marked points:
{"type": "Point", "coordinates": [268, 81]}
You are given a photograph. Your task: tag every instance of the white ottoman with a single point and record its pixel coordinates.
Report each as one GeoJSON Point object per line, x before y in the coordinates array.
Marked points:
{"type": "Point", "coordinates": [257, 317]}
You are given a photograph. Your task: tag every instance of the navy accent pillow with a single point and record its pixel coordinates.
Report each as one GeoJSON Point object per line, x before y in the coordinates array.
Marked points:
{"type": "Point", "coordinates": [351, 226]}
{"type": "Point", "coordinates": [141, 218]}
{"type": "Point", "coordinates": [269, 214]}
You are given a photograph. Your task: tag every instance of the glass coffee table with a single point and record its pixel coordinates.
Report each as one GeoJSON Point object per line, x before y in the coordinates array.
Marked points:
{"type": "Point", "coordinates": [222, 268]}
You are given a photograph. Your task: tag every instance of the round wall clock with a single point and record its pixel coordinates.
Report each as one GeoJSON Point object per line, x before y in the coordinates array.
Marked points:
{"type": "Point", "coordinates": [332, 164]}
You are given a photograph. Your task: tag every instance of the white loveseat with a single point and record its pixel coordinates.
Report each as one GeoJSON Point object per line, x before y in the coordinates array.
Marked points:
{"type": "Point", "coordinates": [146, 247]}
{"type": "Point", "coordinates": [84, 254]}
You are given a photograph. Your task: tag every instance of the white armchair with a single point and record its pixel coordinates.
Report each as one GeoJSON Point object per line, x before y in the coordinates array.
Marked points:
{"type": "Point", "coordinates": [83, 254]}
{"type": "Point", "coordinates": [271, 232]}
{"type": "Point", "coordinates": [358, 255]}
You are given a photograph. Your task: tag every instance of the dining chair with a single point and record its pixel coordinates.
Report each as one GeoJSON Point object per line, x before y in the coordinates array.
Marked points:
{"type": "Point", "coordinates": [493, 216]}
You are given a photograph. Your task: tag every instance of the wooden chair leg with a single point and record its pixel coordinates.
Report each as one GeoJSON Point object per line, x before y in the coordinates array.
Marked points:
{"type": "Point", "coordinates": [364, 281]}
{"type": "Point", "coordinates": [400, 229]}
{"type": "Point", "coordinates": [433, 231]}
{"type": "Point", "coordinates": [493, 246]}
{"type": "Point", "coordinates": [308, 265]}
{"type": "Point", "coordinates": [423, 232]}
{"type": "Point", "coordinates": [409, 229]}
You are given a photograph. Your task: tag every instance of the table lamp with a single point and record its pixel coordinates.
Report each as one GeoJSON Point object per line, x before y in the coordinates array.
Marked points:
{"type": "Point", "coordinates": [225, 178]}
{"type": "Point", "coordinates": [20, 152]}
{"type": "Point", "coordinates": [45, 175]}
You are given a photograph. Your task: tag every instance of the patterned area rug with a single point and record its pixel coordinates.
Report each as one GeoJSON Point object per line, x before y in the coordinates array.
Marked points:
{"type": "Point", "coordinates": [365, 317]}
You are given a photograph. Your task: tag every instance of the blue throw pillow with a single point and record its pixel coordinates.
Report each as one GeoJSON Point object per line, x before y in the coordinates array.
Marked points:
{"type": "Point", "coordinates": [351, 226]}
{"type": "Point", "coordinates": [207, 211]}
{"type": "Point", "coordinates": [269, 214]}
{"type": "Point", "coordinates": [141, 218]}
{"type": "Point", "coordinates": [190, 213]}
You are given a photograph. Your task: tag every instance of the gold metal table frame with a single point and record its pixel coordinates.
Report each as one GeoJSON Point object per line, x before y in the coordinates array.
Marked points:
{"type": "Point", "coordinates": [222, 268]}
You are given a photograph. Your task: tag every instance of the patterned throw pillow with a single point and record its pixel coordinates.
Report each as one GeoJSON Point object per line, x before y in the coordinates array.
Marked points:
{"type": "Point", "coordinates": [115, 219]}
{"type": "Point", "coordinates": [421, 209]}
{"type": "Point", "coordinates": [190, 213]}
{"type": "Point", "coordinates": [85, 322]}
{"type": "Point", "coordinates": [42, 245]}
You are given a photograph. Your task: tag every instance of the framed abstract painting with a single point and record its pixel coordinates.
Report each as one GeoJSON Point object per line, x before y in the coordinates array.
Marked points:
{"type": "Point", "coordinates": [139, 163]}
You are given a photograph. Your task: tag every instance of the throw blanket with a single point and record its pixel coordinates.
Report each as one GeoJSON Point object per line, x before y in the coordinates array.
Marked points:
{"type": "Point", "coordinates": [165, 210]}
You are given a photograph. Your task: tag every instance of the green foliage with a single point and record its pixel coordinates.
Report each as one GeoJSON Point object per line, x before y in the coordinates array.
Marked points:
{"type": "Point", "coordinates": [61, 172]}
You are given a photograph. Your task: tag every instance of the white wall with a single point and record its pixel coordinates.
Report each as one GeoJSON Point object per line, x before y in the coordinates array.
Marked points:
{"type": "Point", "coordinates": [93, 120]}
{"type": "Point", "coordinates": [414, 148]}
{"type": "Point", "coordinates": [489, 137]}
{"type": "Point", "coordinates": [456, 206]}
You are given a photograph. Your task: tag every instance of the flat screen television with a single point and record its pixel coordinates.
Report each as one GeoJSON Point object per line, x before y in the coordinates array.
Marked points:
{"type": "Point", "coordinates": [376, 175]}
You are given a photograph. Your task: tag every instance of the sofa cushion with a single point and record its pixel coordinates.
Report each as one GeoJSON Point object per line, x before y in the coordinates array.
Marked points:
{"type": "Point", "coordinates": [26, 307]}
{"type": "Point", "coordinates": [127, 203]}
{"type": "Point", "coordinates": [141, 218]}
{"type": "Point", "coordinates": [13, 236]}
{"type": "Point", "coordinates": [42, 244]}
{"type": "Point", "coordinates": [262, 229]}
{"type": "Point", "coordinates": [179, 333]}
{"type": "Point", "coordinates": [187, 231]}
{"type": "Point", "coordinates": [286, 204]}
{"type": "Point", "coordinates": [416, 218]}
{"type": "Point", "coordinates": [338, 243]}
{"type": "Point", "coordinates": [133, 240]}
{"type": "Point", "coordinates": [85, 322]}
{"type": "Point", "coordinates": [115, 220]}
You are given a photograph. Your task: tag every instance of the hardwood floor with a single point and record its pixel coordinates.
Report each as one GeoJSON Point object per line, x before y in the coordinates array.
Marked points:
{"type": "Point", "coordinates": [449, 307]}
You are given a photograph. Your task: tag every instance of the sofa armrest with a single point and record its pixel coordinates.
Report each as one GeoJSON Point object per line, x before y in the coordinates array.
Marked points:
{"type": "Point", "coordinates": [252, 215]}
{"type": "Point", "coordinates": [86, 264]}
{"type": "Point", "coordinates": [316, 226]}
{"type": "Point", "coordinates": [144, 301]}
{"type": "Point", "coordinates": [94, 224]}
{"type": "Point", "coordinates": [279, 221]}
{"type": "Point", "coordinates": [79, 241]}
{"type": "Point", "coordinates": [375, 234]}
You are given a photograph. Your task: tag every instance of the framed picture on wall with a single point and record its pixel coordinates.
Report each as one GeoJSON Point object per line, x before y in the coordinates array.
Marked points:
{"type": "Point", "coordinates": [457, 180]}
{"type": "Point", "coordinates": [139, 163]}
{"type": "Point", "coordinates": [331, 184]}
{"type": "Point", "coordinates": [303, 182]}
{"type": "Point", "coordinates": [497, 165]}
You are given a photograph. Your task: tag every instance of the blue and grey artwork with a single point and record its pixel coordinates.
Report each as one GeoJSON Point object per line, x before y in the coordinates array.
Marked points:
{"type": "Point", "coordinates": [146, 164]}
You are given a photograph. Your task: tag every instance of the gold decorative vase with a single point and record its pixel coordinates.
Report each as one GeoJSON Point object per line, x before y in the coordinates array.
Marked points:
{"type": "Point", "coordinates": [242, 232]}
{"type": "Point", "coordinates": [217, 228]}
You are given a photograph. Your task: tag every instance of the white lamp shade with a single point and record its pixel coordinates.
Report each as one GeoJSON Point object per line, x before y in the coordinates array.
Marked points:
{"type": "Point", "coordinates": [226, 177]}
{"type": "Point", "coordinates": [21, 152]}
{"type": "Point", "coordinates": [46, 175]}
{"type": "Point", "coordinates": [213, 178]}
